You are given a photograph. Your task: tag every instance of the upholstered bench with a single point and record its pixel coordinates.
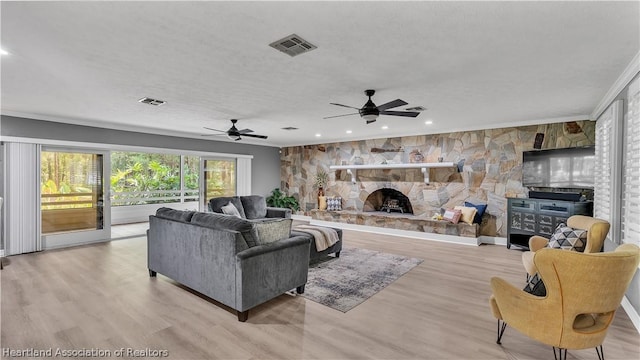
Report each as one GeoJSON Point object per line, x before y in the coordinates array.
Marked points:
{"type": "Point", "coordinates": [313, 252]}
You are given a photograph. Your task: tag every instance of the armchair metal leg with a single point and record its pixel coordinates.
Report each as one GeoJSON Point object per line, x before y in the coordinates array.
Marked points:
{"type": "Point", "coordinates": [600, 352]}
{"type": "Point", "coordinates": [562, 355]}
{"type": "Point", "coordinates": [502, 326]}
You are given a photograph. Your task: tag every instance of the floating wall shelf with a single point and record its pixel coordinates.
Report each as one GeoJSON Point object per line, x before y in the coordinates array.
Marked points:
{"type": "Point", "coordinates": [424, 167]}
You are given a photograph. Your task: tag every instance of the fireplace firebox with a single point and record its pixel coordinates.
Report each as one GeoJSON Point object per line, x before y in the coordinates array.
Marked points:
{"type": "Point", "coordinates": [388, 200]}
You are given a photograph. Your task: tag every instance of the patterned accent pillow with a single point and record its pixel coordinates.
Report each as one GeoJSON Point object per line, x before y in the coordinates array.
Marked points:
{"type": "Point", "coordinates": [334, 203]}
{"type": "Point", "coordinates": [568, 238]}
{"type": "Point", "coordinates": [230, 209]}
{"type": "Point", "coordinates": [452, 215]}
{"type": "Point", "coordinates": [272, 231]}
{"type": "Point", "coordinates": [535, 286]}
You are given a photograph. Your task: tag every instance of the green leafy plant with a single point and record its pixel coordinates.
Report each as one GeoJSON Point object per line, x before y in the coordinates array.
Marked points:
{"type": "Point", "coordinates": [279, 199]}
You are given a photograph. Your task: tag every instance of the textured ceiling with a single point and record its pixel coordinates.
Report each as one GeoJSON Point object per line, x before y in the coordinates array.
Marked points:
{"type": "Point", "coordinates": [473, 65]}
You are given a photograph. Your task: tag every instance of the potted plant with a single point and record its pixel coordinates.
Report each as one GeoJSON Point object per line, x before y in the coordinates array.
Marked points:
{"type": "Point", "coordinates": [279, 199]}
{"type": "Point", "coordinates": [321, 181]}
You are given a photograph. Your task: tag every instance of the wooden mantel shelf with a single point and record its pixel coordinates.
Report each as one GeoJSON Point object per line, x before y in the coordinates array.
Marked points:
{"type": "Point", "coordinates": [424, 167]}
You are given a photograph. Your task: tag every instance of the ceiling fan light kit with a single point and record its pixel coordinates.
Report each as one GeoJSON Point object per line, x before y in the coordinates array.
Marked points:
{"type": "Point", "coordinates": [370, 112]}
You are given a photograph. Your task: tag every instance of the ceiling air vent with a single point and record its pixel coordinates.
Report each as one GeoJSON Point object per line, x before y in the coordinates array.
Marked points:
{"type": "Point", "coordinates": [289, 128]}
{"type": "Point", "coordinates": [150, 101]}
{"type": "Point", "coordinates": [416, 108]}
{"type": "Point", "coordinates": [293, 45]}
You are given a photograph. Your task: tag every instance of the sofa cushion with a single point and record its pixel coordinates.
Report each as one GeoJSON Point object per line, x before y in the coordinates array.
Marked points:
{"type": "Point", "coordinates": [273, 230]}
{"type": "Point", "coordinates": [230, 209]}
{"type": "Point", "coordinates": [173, 214]}
{"type": "Point", "coordinates": [227, 222]}
{"type": "Point", "coordinates": [217, 203]}
{"type": "Point", "coordinates": [255, 206]}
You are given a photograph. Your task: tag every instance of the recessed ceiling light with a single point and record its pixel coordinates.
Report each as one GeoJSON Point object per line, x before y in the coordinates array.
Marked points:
{"type": "Point", "coordinates": [4, 52]}
{"type": "Point", "coordinates": [428, 122]}
{"type": "Point", "coordinates": [318, 135]}
{"type": "Point", "coordinates": [385, 127]}
{"type": "Point", "coordinates": [349, 131]}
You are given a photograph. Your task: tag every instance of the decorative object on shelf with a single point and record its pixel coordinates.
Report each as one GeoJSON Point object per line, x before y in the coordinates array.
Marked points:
{"type": "Point", "coordinates": [279, 199]}
{"type": "Point", "coordinates": [415, 156]}
{"type": "Point", "coordinates": [321, 181]}
{"type": "Point", "coordinates": [381, 150]}
{"type": "Point", "coordinates": [322, 203]}
{"type": "Point", "coordinates": [358, 160]}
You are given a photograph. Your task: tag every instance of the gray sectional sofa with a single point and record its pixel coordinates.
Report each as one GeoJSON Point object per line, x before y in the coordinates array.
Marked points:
{"type": "Point", "coordinates": [237, 262]}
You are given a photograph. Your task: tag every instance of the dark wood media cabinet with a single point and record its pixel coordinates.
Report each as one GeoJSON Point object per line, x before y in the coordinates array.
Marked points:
{"type": "Point", "coordinates": [528, 217]}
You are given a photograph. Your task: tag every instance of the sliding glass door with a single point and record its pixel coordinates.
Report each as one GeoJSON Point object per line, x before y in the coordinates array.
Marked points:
{"type": "Point", "coordinates": [218, 178]}
{"type": "Point", "coordinates": [74, 203]}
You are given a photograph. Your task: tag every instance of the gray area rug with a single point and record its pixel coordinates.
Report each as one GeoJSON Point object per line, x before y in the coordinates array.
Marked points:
{"type": "Point", "coordinates": [358, 274]}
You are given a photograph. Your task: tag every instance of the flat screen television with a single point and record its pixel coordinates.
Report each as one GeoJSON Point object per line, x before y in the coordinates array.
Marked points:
{"type": "Point", "coordinates": [571, 168]}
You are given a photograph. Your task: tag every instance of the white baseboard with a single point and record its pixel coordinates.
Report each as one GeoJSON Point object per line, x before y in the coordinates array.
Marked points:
{"type": "Point", "coordinates": [631, 312]}
{"type": "Point", "coordinates": [2, 253]}
{"type": "Point", "coordinates": [402, 233]}
{"type": "Point", "coordinates": [492, 240]}
{"type": "Point", "coordinates": [301, 217]}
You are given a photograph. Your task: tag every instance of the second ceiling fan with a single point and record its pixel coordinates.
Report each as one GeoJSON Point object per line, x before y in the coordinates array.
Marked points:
{"type": "Point", "coordinates": [370, 111]}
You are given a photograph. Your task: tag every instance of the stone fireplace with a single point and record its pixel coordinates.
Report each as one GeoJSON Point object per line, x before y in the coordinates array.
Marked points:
{"type": "Point", "coordinates": [388, 200]}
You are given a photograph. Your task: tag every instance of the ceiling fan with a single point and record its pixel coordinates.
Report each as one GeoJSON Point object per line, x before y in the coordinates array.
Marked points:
{"type": "Point", "coordinates": [234, 134]}
{"type": "Point", "coordinates": [370, 111]}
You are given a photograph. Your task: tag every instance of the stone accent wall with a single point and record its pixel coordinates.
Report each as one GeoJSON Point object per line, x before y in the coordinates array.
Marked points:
{"type": "Point", "coordinates": [491, 163]}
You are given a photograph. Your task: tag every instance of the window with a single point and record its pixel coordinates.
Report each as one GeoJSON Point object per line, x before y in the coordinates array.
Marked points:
{"type": "Point", "coordinates": [147, 178]}
{"type": "Point", "coordinates": [631, 172]}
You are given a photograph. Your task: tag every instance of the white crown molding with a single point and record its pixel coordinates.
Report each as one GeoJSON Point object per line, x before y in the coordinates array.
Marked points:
{"type": "Point", "coordinates": [623, 80]}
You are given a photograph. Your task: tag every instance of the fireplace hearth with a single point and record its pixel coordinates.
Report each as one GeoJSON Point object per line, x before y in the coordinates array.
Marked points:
{"type": "Point", "coordinates": [388, 200]}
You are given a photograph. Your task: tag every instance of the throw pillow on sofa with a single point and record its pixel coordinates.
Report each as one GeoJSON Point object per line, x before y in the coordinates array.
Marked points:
{"type": "Point", "coordinates": [217, 203]}
{"type": "Point", "coordinates": [272, 231]}
{"type": "Point", "coordinates": [568, 238]}
{"type": "Point", "coordinates": [229, 209]}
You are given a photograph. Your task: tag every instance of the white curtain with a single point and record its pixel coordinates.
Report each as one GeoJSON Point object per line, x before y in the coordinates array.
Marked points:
{"type": "Point", "coordinates": [22, 198]}
{"type": "Point", "coordinates": [631, 172]}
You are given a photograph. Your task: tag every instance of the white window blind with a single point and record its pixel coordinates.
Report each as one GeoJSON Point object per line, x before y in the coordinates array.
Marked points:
{"type": "Point", "coordinates": [603, 186]}
{"type": "Point", "coordinates": [631, 172]}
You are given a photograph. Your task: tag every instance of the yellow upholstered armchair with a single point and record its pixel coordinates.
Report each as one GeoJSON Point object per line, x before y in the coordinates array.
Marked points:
{"type": "Point", "coordinates": [597, 231]}
{"type": "Point", "coordinates": [583, 293]}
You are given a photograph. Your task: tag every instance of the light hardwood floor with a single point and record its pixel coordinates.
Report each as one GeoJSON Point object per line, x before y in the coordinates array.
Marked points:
{"type": "Point", "coordinates": [101, 296]}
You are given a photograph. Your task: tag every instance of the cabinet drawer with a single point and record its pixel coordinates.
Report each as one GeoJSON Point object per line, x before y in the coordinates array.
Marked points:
{"type": "Point", "coordinates": [555, 208]}
{"type": "Point", "coordinates": [516, 221]}
{"type": "Point", "coordinates": [523, 205]}
{"type": "Point", "coordinates": [529, 217]}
